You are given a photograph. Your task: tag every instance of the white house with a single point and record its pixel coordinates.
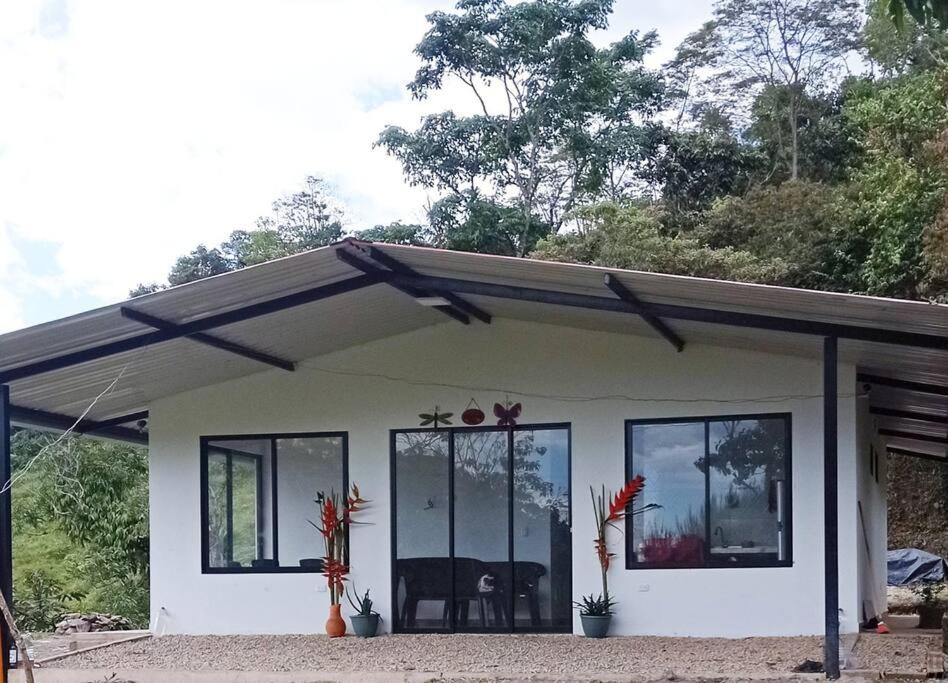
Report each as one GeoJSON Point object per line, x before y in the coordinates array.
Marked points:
{"type": "Point", "coordinates": [748, 409]}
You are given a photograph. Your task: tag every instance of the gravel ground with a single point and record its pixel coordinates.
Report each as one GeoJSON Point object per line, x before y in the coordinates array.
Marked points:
{"type": "Point", "coordinates": [894, 652]}
{"type": "Point", "coordinates": [644, 656]}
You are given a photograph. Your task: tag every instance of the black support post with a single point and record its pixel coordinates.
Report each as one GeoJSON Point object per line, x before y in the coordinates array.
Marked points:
{"type": "Point", "coordinates": [830, 509]}
{"type": "Point", "coordinates": [6, 524]}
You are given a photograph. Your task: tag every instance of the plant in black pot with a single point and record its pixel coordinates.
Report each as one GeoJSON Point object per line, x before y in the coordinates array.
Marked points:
{"type": "Point", "coordinates": [365, 622]}
{"type": "Point", "coordinates": [595, 612]}
{"type": "Point", "coordinates": [930, 609]}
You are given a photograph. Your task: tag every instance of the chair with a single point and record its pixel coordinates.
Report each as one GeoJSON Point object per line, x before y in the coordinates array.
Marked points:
{"type": "Point", "coordinates": [526, 585]}
{"type": "Point", "coordinates": [429, 579]}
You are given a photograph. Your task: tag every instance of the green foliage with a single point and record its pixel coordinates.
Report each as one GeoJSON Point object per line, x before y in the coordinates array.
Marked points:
{"type": "Point", "coordinates": [81, 526]}
{"type": "Point", "coordinates": [924, 12]}
{"type": "Point", "coordinates": [467, 223]}
{"type": "Point", "coordinates": [40, 602]}
{"type": "Point", "coordinates": [792, 47]}
{"type": "Point", "coordinates": [787, 224]}
{"type": "Point", "coordinates": [896, 51]}
{"type": "Point", "coordinates": [361, 604]}
{"type": "Point", "coordinates": [632, 237]}
{"type": "Point", "coordinates": [297, 222]}
{"type": "Point", "coordinates": [694, 168]}
{"type": "Point", "coordinates": [595, 605]}
{"type": "Point", "coordinates": [900, 116]}
{"type": "Point", "coordinates": [399, 233]}
{"type": "Point", "coordinates": [566, 127]}
{"type": "Point", "coordinates": [825, 142]}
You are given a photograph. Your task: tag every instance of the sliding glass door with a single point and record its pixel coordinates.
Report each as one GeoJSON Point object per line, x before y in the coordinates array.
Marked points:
{"type": "Point", "coordinates": [481, 529]}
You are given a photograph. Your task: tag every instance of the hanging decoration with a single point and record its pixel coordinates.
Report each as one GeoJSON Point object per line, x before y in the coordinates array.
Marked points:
{"type": "Point", "coordinates": [507, 414]}
{"type": "Point", "coordinates": [472, 415]}
{"type": "Point", "coordinates": [435, 418]}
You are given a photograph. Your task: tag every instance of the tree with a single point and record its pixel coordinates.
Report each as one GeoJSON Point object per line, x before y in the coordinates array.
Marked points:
{"type": "Point", "coordinates": [825, 144]}
{"type": "Point", "coordinates": [796, 46]}
{"type": "Point", "coordinates": [693, 168]}
{"type": "Point", "coordinates": [924, 12]}
{"type": "Point", "coordinates": [82, 512]}
{"type": "Point", "coordinates": [557, 116]}
{"type": "Point", "coordinates": [892, 205]}
{"type": "Point", "coordinates": [633, 237]}
{"type": "Point", "coordinates": [399, 233]}
{"type": "Point", "coordinates": [791, 224]}
{"type": "Point", "coordinates": [299, 221]}
{"type": "Point", "coordinates": [899, 50]}
{"type": "Point", "coordinates": [199, 264]}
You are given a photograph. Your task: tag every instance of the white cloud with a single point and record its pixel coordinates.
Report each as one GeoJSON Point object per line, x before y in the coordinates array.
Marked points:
{"type": "Point", "coordinates": [132, 131]}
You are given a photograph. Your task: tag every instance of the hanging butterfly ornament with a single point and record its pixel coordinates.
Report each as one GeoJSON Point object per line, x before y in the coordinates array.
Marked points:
{"type": "Point", "coordinates": [507, 414]}
{"type": "Point", "coordinates": [472, 415]}
{"type": "Point", "coordinates": [435, 418]}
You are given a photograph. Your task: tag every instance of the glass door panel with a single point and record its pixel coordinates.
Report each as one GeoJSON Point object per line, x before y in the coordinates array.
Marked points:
{"type": "Point", "coordinates": [422, 567]}
{"type": "Point", "coordinates": [481, 530]}
{"type": "Point", "coordinates": [482, 537]}
{"type": "Point", "coordinates": [541, 523]}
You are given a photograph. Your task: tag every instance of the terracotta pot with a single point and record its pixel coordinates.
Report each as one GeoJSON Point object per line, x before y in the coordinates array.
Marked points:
{"type": "Point", "coordinates": [335, 624]}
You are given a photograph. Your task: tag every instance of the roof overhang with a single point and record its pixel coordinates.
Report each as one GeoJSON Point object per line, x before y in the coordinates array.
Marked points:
{"type": "Point", "coordinates": [353, 292]}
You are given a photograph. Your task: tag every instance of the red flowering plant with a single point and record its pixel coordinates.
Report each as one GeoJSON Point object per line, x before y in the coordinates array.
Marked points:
{"type": "Point", "coordinates": [335, 518]}
{"type": "Point", "coordinates": [609, 510]}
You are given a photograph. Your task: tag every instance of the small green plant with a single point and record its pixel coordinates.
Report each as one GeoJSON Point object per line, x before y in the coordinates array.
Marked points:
{"type": "Point", "coordinates": [42, 603]}
{"type": "Point", "coordinates": [928, 592]}
{"type": "Point", "coordinates": [595, 605]}
{"type": "Point", "coordinates": [362, 605]}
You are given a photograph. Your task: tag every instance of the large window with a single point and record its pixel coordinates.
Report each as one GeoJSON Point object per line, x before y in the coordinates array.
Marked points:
{"type": "Point", "coordinates": [722, 485]}
{"type": "Point", "coordinates": [258, 497]}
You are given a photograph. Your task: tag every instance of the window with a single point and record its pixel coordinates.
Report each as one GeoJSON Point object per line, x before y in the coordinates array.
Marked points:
{"type": "Point", "coordinates": [723, 484]}
{"type": "Point", "coordinates": [258, 496]}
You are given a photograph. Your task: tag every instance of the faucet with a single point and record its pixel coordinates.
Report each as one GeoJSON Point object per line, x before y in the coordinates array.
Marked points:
{"type": "Point", "coordinates": [718, 531]}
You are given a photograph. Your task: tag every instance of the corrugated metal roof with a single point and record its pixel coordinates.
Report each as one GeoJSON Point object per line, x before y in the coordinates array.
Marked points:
{"type": "Point", "coordinates": [360, 316]}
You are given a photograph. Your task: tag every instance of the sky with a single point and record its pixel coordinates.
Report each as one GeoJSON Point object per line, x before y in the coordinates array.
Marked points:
{"type": "Point", "coordinates": [131, 131]}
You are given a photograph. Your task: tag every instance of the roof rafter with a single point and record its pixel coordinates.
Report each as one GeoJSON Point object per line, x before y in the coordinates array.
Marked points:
{"type": "Point", "coordinates": [187, 329]}
{"type": "Point", "coordinates": [678, 312]}
{"type": "Point", "coordinates": [917, 454]}
{"type": "Point", "coordinates": [895, 383]}
{"type": "Point", "coordinates": [644, 310]}
{"type": "Point", "coordinates": [908, 414]}
{"type": "Point", "coordinates": [397, 266]}
{"type": "Point", "coordinates": [48, 420]}
{"type": "Point", "coordinates": [914, 436]}
{"type": "Point", "coordinates": [415, 293]}
{"type": "Point", "coordinates": [208, 340]}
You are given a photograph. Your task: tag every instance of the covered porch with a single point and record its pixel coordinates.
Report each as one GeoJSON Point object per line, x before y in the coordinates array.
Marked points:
{"type": "Point", "coordinates": [890, 356]}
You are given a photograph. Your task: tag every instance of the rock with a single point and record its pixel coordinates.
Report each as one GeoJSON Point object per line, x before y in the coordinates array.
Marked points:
{"type": "Point", "coordinates": [75, 622]}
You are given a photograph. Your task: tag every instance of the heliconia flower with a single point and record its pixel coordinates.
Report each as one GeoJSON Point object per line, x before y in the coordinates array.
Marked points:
{"type": "Point", "coordinates": [619, 505]}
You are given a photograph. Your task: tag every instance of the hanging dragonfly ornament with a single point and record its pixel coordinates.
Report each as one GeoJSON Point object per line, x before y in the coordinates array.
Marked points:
{"type": "Point", "coordinates": [435, 418]}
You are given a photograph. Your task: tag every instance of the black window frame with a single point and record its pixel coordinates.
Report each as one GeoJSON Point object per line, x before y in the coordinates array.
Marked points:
{"type": "Point", "coordinates": [206, 448]}
{"type": "Point", "coordinates": [745, 563]}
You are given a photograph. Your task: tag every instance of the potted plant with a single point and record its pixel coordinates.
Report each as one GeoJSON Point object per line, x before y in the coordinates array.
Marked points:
{"type": "Point", "coordinates": [365, 622]}
{"type": "Point", "coordinates": [595, 612]}
{"type": "Point", "coordinates": [931, 609]}
{"type": "Point", "coordinates": [336, 518]}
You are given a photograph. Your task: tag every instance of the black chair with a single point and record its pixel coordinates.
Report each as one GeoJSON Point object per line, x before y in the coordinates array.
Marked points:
{"type": "Point", "coordinates": [429, 579]}
{"type": "Point", "coordinates": [526, 585]}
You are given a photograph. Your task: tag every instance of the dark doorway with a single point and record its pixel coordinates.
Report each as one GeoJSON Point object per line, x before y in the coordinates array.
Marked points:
{"type": "Point", "coordinates": [481, 529]}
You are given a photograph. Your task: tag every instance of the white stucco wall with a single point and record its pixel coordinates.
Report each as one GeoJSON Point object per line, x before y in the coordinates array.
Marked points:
{"type": "Point", "coordinates": [873, 528]}
{"type": "Point", "coordinates": [541, 360]}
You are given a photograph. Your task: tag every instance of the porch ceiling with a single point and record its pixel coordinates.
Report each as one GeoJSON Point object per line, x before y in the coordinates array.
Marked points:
{"type": "Point", "coordinates": [373, 312]}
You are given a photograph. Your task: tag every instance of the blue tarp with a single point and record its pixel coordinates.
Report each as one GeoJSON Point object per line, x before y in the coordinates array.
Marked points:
{"type": "Point", "coordinates": [911, 565]}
